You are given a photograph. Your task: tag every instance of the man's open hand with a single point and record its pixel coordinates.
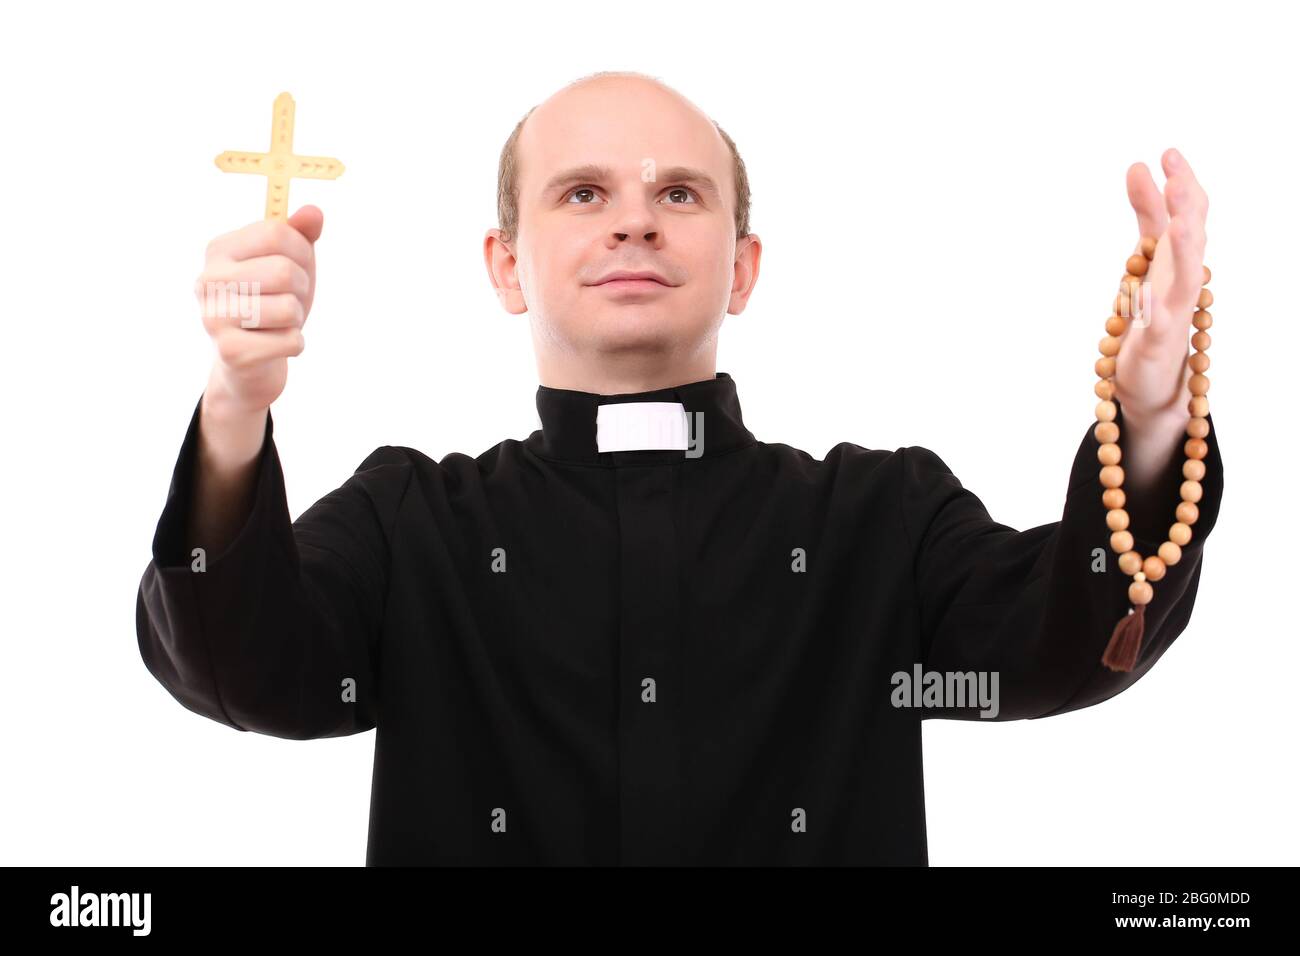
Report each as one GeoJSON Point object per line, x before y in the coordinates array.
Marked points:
{"type": "Point", "coordinates": [1151, 367]}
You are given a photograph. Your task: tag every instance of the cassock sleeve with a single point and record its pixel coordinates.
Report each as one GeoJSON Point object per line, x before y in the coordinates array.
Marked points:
{"type": "Point", "coordinates": [278, 634]}
{"type": "Point", "coordinates": [1038, 606]}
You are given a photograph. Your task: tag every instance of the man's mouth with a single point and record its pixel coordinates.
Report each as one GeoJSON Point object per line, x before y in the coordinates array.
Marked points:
{"type": "Point", "coordinates": [633, 279]}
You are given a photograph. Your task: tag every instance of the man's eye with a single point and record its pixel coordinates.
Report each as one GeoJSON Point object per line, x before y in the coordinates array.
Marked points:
{"type": "Point", "coordinates": [581, 190]}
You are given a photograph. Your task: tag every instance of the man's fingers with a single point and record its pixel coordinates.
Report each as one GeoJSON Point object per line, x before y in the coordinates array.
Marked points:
{"type": "Point", "coordinates": [1181, 198]}
{"type": "Point", "coordinates": [281, 311]}
{"type": "Point", "coordinates": [244, 348]}
{"type": "Point", "coordinates": [1187, 204]}
{"type": "Point", "coordinates": [265, 237]}
{"type": "Point", "coordinates": [275, 273]}
{"type": "Point", "coordinates": [1176, 166]}
{"type": "Point", "coordinates": [1187, 238]}
{"type": "Point", "coordinates": [309, 220]}
{"type": "Point", "coordinates": [1146, 200]}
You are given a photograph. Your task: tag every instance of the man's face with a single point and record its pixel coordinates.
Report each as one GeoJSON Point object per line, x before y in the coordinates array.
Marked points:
{"type": "Point", "coordinates": [623, 176]}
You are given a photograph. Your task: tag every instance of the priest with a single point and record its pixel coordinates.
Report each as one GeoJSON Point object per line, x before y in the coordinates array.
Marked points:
{"type": "Point", "coordinates": [642, 635]}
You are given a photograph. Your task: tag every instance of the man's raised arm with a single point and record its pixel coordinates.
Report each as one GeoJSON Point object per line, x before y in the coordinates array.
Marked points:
{"type": "Point", "coordinates": [246, 617]}
{"type": "Point", "coordinates": [1038, 606]}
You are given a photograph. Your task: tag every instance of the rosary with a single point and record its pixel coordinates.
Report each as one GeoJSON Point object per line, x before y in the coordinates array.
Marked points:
{"type": "Point", "coordinates": [1122, 652]}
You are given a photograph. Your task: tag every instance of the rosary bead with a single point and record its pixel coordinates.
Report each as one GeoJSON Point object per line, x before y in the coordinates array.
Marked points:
{"type": "Point", "coordinates": [1106, 431]}
{"type": "Point", "coordinates": [1180, 534]}
{"type": "Point", "coordinates": [1195, 448]}
{"type": "Point", "coordinates": [1122, 305]}
{"type": "Point", "coordinates": [1112, 476]}
{"type": "Point", "coordinates": [1202, 320]}
{"type": "Point", "coordinates": [1199, 362]}
{"type": "Point", "coordinates": [1121, 541]}
{"type": "Point", "coordinates": [1199, 405]}
{"type": "Point", "coordinates": [1114, 498]}
{"type": "Point", "coordinates": [1187, 513]}
{"type": "Point", "coordinates": [1153, 568]}
{"type": "Point", "coordinates": [1188, 491]}
{"type": "Point", "coordinates": [1110, 345]}
{"type": "Point", "coordinates": [1105, 389]}
{"type": "Point", "coordinates": [1205, 300]}
{"type": "Point", "coordinates": [1141, 575]}
{"type": "Point", "coordinates": [1148, 248]}
{"type": "Point", "coordinates": [1130, 562]}
{"type": "Point", "coordinates": [1105, 366]}
{"type": "Point", "coordinates": [1137, 265]}
{"type": "Point", "coordinates": [1205, 275]}
{"type": "Point", "coordinates": [1108, 454]}
{"type": "Point", "coordinates": [1139, 592]}
{"type": "Point", "coordinates": [1106, 412]}
{"type": "Point", "coordinates": [1116, 324]}
{"type": "Point", "coordinates": [1170, 553]}
{"type": "Point", "coordinates": [1117, 519]}
{"type": "Point", "coordinates": [1194, 470]}
{"type": "Point", "coordinates": [1198, 428]}
{"type": "Point", "coordinates": [1201, 341]}
{"type": "Point", "coordinates": [1198, 385]}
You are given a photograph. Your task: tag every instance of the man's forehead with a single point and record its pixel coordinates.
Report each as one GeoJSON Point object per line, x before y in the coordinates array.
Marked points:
{"type": "Point", "coordinates": [618, 127]}
{"type": "Point", "coordinates": [614, 99]}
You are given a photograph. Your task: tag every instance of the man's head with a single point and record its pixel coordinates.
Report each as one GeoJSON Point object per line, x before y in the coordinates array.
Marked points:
{"type": "Point", "coordinates": [618, 172]}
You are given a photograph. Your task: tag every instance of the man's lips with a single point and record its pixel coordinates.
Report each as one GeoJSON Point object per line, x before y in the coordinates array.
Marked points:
{"type": "Point", "coordinates": [632, 288]}
{"type": "Point", "coordinates": [632, 279]}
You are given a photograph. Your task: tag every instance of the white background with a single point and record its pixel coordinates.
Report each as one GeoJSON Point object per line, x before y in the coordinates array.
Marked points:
{"type": "Point", "coordinates": [940, 194]}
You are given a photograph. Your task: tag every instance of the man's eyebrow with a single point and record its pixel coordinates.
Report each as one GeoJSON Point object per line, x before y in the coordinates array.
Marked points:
{"type": "Point", "coordinates": [688, 174]}
{"type": "Point", "coordinates": [594, 173]}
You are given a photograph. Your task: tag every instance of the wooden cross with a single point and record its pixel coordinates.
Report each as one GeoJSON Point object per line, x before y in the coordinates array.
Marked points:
{"type": "Point", "coordinates": [280, 164]}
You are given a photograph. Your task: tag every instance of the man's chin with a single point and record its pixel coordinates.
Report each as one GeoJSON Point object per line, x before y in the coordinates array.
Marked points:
{"type": "Point", "coordinates": [630, 328]}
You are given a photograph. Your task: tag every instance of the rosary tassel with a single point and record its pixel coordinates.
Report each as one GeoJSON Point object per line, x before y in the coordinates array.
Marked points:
{"type": "Point", "coordinates": [1122, 652]}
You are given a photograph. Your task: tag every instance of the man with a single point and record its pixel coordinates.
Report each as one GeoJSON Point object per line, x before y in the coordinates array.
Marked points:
{"type": "Point", "coordinates": [640, 635]}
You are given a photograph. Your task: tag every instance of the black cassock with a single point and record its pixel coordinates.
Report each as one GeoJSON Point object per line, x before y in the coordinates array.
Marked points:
{"type": "Point", "coordinates": [575, 656]}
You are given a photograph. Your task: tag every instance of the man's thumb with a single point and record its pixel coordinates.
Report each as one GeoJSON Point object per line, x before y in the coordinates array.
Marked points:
{"type": "Point", "coordinates": [308, 220]}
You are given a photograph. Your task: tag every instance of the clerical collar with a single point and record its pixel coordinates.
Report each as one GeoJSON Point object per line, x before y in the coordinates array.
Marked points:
{"type": "Point", "coordinates": [684, 423]}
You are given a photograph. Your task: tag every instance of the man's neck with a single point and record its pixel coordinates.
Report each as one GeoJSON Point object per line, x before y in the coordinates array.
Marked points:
{"type": "Point", "coordinates": [617, 376]}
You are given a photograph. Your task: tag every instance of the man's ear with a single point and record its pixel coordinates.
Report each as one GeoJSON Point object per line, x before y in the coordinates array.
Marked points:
{"type": "Point", "coordinates": [499, 257]}
{"type": "Point", "coordinates": [749, 250]}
